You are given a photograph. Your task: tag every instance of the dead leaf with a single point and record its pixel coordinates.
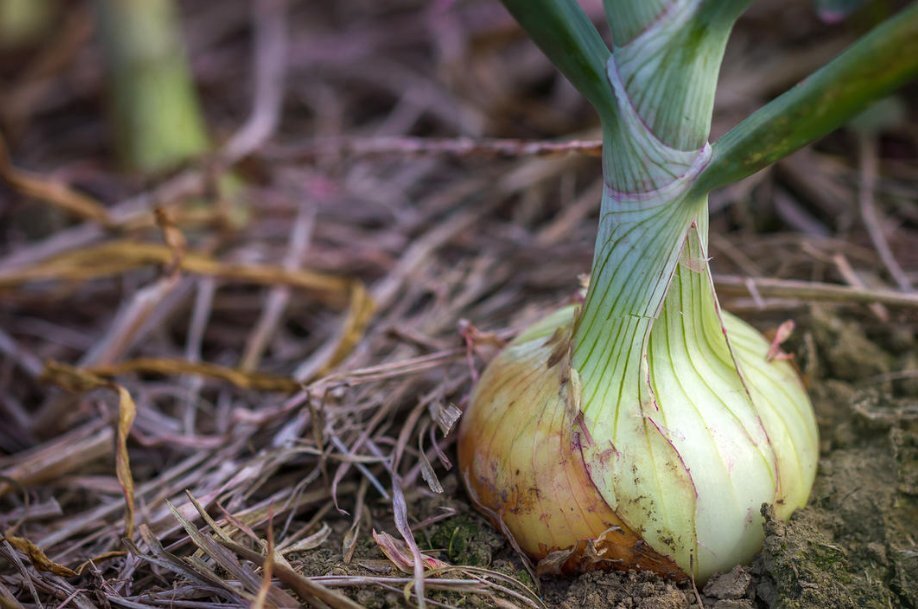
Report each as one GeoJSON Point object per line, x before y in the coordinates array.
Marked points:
{"type": "Point", "coordinates": [445, 416]}
{"type": "Point", "coordinates": [398, 553]}
{"type": "Point", "coordinates": [359, 314]}
{"type": "Point", "coordinates": [781, 335]}
{"type": "Point", "coordinates": [310, 543]}
{"type": "Point", "coordinates": [153, 365]}
{"type": "Point", "coordinates": [57, 194]}
{"type": "Point", "coordinates": [38, 557]}
{"type": "Point", "coordinates": [553, 563]}
{"type": "Point", "coordinates": [127, 411]}
{"type": "Point", "coordinates": [78, 381]}
{"type": "Point", "coordinates": [117, 257]}
{"type": "Point", "coordinates": [173, 237]}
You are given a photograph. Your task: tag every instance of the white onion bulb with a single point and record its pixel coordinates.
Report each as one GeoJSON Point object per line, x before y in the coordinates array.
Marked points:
{"type": "Point", "coordinates": [667, 467]}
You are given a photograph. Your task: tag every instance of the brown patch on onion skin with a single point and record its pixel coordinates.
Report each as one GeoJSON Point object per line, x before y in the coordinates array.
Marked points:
{"type": "Point", "coordinates": [519, 455]}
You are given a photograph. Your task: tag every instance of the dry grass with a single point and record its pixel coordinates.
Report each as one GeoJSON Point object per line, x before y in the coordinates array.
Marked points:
{"type": "Point", "coordinates": [223, 398]}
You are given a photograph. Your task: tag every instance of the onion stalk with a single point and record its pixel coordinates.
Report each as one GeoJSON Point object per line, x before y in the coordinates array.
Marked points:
{"type": "Point", "coordinates": [646, 428]}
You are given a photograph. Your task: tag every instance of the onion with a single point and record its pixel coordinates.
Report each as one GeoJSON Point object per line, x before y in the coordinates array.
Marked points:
{"type": "Point", "coordinates": [646, 428]}
{"type": "Point", "coordinates": [669, 478]}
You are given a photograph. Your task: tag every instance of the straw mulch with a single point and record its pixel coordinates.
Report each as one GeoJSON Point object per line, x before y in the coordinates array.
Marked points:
{"type": "Point", "coordinates": [205, 385]}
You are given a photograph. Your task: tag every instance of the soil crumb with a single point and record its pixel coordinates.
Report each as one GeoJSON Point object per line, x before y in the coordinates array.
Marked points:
{"type": "Point", "coordinates": [853, 546]}
{"type": "Point", "coordinates": [632, 590]}
{"type": "Point", "coordinates": [615, 590]}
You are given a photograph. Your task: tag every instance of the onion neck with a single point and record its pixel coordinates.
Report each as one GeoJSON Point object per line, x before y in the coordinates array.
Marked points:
{"type": "Point", "coordinates": [637, 252]}
{"type": "Point", "coordinates": [662, 73]}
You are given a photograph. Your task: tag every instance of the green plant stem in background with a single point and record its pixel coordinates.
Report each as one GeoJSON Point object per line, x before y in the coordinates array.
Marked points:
{"type": "Point", "coordinates": [23, 21]}
{"type": "Point", "coordinates": [157, 120]}
{"type": "Point", "coordinates": [882, 61]}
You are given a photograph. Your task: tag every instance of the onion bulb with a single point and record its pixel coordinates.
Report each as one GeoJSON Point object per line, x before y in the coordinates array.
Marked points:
{"type": "Point", "coordinates": [646, 428]}
{"type": "Point", "coordinates": [664, 467]}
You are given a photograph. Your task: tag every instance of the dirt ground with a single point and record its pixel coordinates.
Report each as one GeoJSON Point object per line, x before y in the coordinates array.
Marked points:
{"type": "Point", "coordinates": [263, 353]}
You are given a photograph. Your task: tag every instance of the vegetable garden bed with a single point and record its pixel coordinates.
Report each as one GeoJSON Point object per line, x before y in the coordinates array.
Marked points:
{"type": "Point", "coordinates": [287, 351]}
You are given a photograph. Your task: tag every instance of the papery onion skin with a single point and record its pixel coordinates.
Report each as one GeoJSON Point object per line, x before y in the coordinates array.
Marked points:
{"type": "Point", "coordinates": [519, 457]}
{"type": "Point", "coordinates": [524, 456]}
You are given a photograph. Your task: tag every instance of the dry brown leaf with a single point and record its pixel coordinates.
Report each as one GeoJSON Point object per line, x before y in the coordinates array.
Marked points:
{"type": "Point", "coordinates": [309, 543]}
{"type": "Point", "coordinates": [304, 586]}
{"type": "Point", "coordinates": [444, 415]}
{"type": "Point", "coordinates": [116, 257]}
{"type": "Point", "coordinates": [173, 237]}
{"type": "Point", "coordinates": [358, 318]}
{"type": "Point", "coordinates": [267, 571]}
{"type": "Point", "coordinates": [76, 380]}
{"type": "Point", "coordinates": [399, 554]}
{"type": "Point", "coordinates": [553, 563]}
{"type": "Point", "coordinates": [782, 333]}
{"type": "Point", "coordinates": [152, 365]}
{"type": "Point", "coordinates": [72, 379]}
{"type": "Point", "coordinates": [127, 411]}
{"type": "Point", "coordinates": [229, 562]}
{"type": "Point", "coordinates": [57, 194]}
{"type": "Point", "coordinates": [38, 557]}
{"type": "Point", "coordinates": [99, 558]}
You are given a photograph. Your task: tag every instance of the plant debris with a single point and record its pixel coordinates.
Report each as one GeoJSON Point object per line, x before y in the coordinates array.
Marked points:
{"type": "Point", "coordinates": [220, 409]}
